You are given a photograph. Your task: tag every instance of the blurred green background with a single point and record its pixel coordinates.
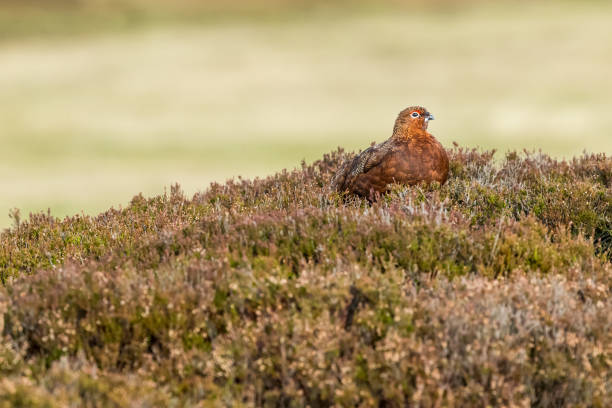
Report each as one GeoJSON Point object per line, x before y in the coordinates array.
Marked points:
{"type": "Point", "coordinates": [101, 99]}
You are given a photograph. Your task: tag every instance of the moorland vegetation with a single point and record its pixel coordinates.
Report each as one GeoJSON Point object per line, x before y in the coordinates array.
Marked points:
{"type": "Point", "coordinates": [493, 289]}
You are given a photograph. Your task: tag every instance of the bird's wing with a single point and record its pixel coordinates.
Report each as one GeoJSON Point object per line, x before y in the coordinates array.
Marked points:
{"type": "Point", "coordinates": [338, 182]}
{"type": "Point", "coordinates": [371, 157]}
{"type": "Point", "coordinates": [361, 163]}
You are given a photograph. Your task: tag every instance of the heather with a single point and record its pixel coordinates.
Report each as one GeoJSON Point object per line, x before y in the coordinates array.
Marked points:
{"type": "Point", "coordinates": [492, 290]}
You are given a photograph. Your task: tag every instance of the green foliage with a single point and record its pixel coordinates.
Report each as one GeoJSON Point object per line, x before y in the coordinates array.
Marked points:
{"type": "Point", "coordinates": [493, 289]}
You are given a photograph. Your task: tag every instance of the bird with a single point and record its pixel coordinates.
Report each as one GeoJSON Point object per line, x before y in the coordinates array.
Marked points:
{"type": "Point", "coordinates": [410, 156]}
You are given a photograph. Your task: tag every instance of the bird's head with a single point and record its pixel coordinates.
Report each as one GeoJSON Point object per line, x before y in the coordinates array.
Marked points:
{"type": "Point", "coordinates": [414, 118]}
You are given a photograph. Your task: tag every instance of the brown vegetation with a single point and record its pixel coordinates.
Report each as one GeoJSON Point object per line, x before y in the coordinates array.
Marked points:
{"type": "Point", "coordinates": [493, 289]}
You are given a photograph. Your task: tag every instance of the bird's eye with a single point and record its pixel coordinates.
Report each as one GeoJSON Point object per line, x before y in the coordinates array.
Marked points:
{"type": "Point", "coordinates": [415, 114]}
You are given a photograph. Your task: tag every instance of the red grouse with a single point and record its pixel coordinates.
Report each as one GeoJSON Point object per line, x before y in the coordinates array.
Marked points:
{"type": "Point", "coordinates": [410, 156]}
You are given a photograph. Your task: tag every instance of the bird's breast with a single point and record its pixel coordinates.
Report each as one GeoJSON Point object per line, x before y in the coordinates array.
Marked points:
{"type": "Point", "coordinates": [421, 161]}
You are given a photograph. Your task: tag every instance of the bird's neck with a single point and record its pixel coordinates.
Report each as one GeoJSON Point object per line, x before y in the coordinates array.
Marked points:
{"type": "Point", "coordinates": [411, 134]}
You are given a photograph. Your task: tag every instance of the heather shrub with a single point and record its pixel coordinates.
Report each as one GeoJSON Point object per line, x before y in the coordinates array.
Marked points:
{"type": "Point", "coordinates": [493, 289]}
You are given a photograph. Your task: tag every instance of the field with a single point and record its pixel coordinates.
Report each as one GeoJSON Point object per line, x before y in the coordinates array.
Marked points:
{"type": "Point", "coordinates": [492, 290]}
{"type": "Point", "coordinates": [96, 109]}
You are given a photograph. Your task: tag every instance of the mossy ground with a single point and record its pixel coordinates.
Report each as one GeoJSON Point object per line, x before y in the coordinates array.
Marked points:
{"type": "Point", "coordinates": [493, 289]}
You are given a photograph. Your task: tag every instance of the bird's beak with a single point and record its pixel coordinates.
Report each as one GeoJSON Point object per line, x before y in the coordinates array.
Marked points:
{"type": "Point", "coordinates": [430, 116]}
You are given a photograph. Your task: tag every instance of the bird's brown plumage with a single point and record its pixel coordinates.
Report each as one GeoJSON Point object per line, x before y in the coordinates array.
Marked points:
{"type": "Point", "coordinates": [411, 155]}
